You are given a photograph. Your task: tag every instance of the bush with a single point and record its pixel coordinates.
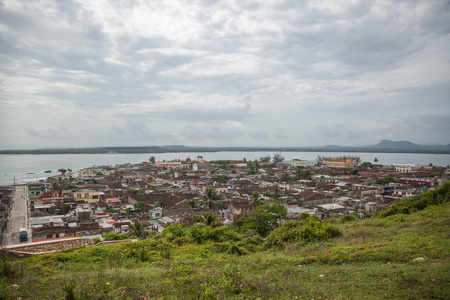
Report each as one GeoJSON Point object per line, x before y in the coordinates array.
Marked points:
{"type": "Point", "coordinates": [305, 231]}
{"type": "Point", "coordinates": [348, 218]}
{"type": "Point", "coordinates": [261, 220]}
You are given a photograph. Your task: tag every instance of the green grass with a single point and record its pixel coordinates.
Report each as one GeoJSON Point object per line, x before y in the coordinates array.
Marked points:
{"type": "Point", "coordinates": [371, 259]}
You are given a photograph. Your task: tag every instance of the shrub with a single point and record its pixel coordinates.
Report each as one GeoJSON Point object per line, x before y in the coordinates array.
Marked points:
{"type": "Point", "coordinates": [347, 218]}
{"type": "Point", "coordinates": [305, 231]}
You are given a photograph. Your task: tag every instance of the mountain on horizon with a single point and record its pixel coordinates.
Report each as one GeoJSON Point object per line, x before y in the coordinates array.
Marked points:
{"type": "Point", "coordinates": [407, 145]}
{"type": "Point", "coordinates": [387, 144]}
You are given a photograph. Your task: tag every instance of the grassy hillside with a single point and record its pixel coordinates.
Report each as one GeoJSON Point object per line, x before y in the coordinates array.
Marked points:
{"type": "Point", "coordinates": [396, 256]}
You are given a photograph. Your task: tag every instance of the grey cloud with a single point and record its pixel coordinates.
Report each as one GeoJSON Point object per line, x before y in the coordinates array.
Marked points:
{"type": "Point", "coordinates": [50, 133]}
{"type": "Point", "coordinates": [304, 72]}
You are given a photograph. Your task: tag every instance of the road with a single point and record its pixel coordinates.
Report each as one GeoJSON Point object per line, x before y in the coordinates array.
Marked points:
{"type": "Point", "coordinates": [19, 216]}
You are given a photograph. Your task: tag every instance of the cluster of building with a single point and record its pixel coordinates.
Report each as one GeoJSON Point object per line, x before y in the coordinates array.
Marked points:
{"type": "Point", "coordinates": [110, 198]}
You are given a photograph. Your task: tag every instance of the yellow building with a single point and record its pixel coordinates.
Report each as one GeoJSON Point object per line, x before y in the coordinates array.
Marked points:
{"type": "Point", "coordinates": [87, 196]}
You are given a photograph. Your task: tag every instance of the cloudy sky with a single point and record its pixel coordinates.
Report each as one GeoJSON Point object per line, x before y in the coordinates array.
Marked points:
{"type": "Point", "coordinates": [223, 73]}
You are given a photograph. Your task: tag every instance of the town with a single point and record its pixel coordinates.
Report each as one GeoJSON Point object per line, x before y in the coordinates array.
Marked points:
{"type": "Point", "coordinates": [104, 202]}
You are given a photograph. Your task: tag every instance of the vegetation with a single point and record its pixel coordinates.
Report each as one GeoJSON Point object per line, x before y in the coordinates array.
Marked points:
{"type": "Point", "coordinates": [261, 220]}
{"type": "Point", "coordinates": [223, 179]}
{"type": "Point", "coordinates": [265, 159]}
{"type": "Point", "coordinates": [400, 253]}
{"type": "Point", "coordinates": [303, 174]}
{"type": "Point", "coordinates": [277, 158]}
{"type": "Point", "coordinates": [366, 164]}
{"type": "Point", "coordinates": [62, 171]}
{"type": "Point", "coordinates": [385, 180]}
{"type": "Point", "coordinates": [210, 200]}
{"type": "Point", "coordinates": [353, 172]}
{"type": "Point", "coordinates": [65, 209]}
{"type": "Point", "coordinates": [419, 202]}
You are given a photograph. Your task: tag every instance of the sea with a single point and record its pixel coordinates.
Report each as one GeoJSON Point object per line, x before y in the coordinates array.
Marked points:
{"type": "Point", "coordinates": [24, 168]}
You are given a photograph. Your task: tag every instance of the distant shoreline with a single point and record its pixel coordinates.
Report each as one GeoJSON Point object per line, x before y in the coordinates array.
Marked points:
{"type": "Point", "coordinates": [181, 149]}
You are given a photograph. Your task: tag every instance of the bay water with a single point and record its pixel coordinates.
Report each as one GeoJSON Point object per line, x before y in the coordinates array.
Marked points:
{"type": "Point", "coordinates": [27, 167]}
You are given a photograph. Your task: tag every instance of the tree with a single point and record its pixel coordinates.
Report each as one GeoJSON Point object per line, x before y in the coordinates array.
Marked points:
{"type": "Point", "coordinates": [255, 200]}
{"type": "Point", "coordinates": [223, 179]}
{"type": "Point", "coordinates": [375, 160]}
{"type": "Point", "coordinates": [65, 209]}
{"type": "Point", "coordinates": [277, 158]}
{"type": "Point", "coordinates": [209, 219]}
{"type": "Point", "coordinates": [210, 199]}
{"type": "Point", "coordinates": [152, 160]}
{"type": "Point", "coordinates": [140, 206]}
{"type": "Point", "coordinates": [138, 230]}
{"type": "Point", "coordinates": [353, 172]}
{"type": "Point", "coordinates": [263, 219]}
{"type": "Point", "coordinates": [366, 164]}
{"type": "Point", "coordinates": [303, 174]}
{"type": "Point", "coordinates": [319, 159]}
{"type": "Point", "coordinates": [385, 180]}
{"type": "Point", "coordinates": [265, 159]}
{"type": "Point", "coordinates": [56, 186]}
{"type": "Point", "coordinates": [62, 171]}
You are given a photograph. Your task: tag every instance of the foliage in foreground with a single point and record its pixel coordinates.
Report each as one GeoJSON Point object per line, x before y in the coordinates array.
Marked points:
{"type": "Point", "coordinates": [402, 256]}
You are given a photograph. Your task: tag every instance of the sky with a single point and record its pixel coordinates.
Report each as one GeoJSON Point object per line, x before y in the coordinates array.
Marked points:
{"type": "Point", "coordinates": [223, 73]}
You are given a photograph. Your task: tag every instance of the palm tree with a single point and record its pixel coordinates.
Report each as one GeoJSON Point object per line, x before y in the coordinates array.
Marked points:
{"type": "Point", "coordinates": [375, 160]}
{"type": "Point", "coordinates": [256, 200]}
{"type": "Point", "coordinates": [211, 199]}
{"type": "Point", "coordinates": [138, 230]}
{"type": "Point", "coordinates": [209, 219]}
{"type": "Point", "coordinates": [56, 186]}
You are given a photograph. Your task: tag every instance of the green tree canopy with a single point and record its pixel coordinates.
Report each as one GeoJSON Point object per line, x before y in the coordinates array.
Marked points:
{"type": "Point", "coordinates": [65, 209]}
{"type": "Point", "coordinates": [353, 172]}
{"type": "Point", "coordinates": [366, 164]}
{"type": "Point", "coordinates": [265, 159]}
{"type": "Point", "coordinates": [263, 219]}
{"type": "Point", "coordinates": [277, 158]}
{"type": "Point", "coordinates": [210, 199]}
{"type": "Point", "coordinates": [385, 180]}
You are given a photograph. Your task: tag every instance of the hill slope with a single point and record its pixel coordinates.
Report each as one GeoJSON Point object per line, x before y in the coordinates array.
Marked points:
{"type": "Point", "coordinates": [401, 256]}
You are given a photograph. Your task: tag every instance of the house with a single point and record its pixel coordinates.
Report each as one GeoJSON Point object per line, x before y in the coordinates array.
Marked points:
{"type": "Point", "coordinates": [83, 212]}
{"type": "Point", "coordinates": [157, 212]}
{"type": "Point", "coordinates": [331, 208]}
{"type": "Point", "coordinates": [372, 207]}
{"type": "Point", "coordinates": [239, 205]}
{"type": "Point", "coordinates": [334, 162]}
{"type": "Point", "coordinates": [122, 227]}
{"type": "Point", "coordinates": [35, 189]}
{"type": "Point", "coordinates": [169, 165]}
{"type": "Point", "coordinates": [54, 198]}
{"type": "Point", "coordinates": [114, 202]}
{"type": "Point", "coordinates": [87, 196]}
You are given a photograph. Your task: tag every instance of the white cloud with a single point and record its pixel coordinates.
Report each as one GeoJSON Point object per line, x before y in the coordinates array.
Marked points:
{"type": "Point", "coordinates": [223, 72]}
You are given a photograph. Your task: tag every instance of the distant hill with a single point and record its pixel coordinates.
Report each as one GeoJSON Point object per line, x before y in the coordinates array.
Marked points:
{"type": "Point", "coordinates": [383, 146]}
{"type": "Point", "coordinates": [387, 144]}
{"type": "Point", "coordinates": [408, 146]}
